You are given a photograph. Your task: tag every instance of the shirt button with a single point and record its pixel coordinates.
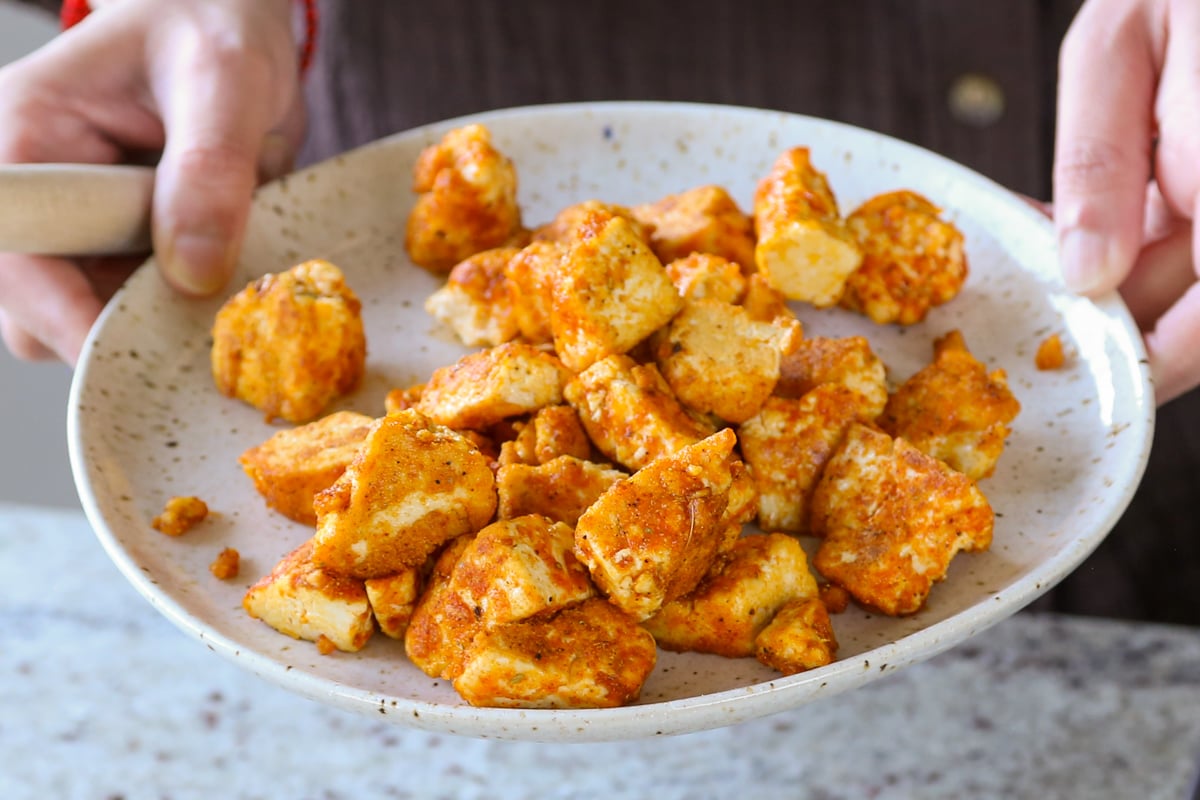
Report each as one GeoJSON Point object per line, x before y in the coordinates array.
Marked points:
{"type": "Point", "coordinates": [976, 99]}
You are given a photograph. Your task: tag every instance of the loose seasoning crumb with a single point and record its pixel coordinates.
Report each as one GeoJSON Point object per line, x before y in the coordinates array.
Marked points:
{"type": "Point", "coordinates": [180, 515]}
{"type": "Point", "coordinates": [1050, 353]}
{"type": "Point", "coordinates": [325, 645]}
{"type": "Point", "coordinates": [834, 598]}
{"type": "Point", "coordinates": [226, 564]}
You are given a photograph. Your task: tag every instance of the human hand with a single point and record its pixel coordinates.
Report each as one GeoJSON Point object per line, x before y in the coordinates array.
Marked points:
{"type": "Point", "coordinates": [211, 84]}
{"type": "Point", "coordinates": [1127, 171]}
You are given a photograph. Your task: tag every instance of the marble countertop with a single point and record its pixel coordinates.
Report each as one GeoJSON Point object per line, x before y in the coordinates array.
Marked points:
{"type": "Point", "coordinates": [103, 698]}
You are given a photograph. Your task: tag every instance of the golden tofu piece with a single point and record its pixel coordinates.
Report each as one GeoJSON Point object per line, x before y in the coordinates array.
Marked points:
{"type": "Point", "coordinates": [804, 248]}
{"type": "Point", "coordinates": [403, 399]}
{"type": "Point", "coordinates": [561, 489]}
{"type": "Point", "coordinates": [789, 442]}
{"type": "Point", "coordinates": [442, 625]}
{"type": "Point", "coordinates": [610, 292]}
{"type": "Point", "coordinates": [476, 302]}
{"type": "Point", "coordinates": [568, 222]}
{"type": "Point", "coordinates": [717, 360]}
{"type": "Point", "coordinates": [290, 343]}
{"type": "Point", "coordinates": [737, 598]}
{"type": "Point", "coordinates": [848, 361]}
{"type": "Point", "coordinates": [912, 261]}
{"type": "Point", "coordinates": [650, 539]}
{"type": "Point", "coordinates": [226, 565]}
{"type": "Point", "coordinates": [590, 655]}
{"type": "Point", "coordinates": [393, 599]}
{"type": "Point", "coordinates": [630, 412]}
{"type": "Point", "coordinates": [516, 568]}
{"type": "Point", "coordinates": [292, 466]}
{"type": "Point", "coordinates": [1050, 354]}
{"type": "Point", "coordinates": [483, 388]}
{"type": "Point", "coordinates": [700, 220]}
{"type": "Point", "coordinates": [954, 409]}
{"type": "Point", "coordinates": [530, 277]}
{"type": "Point", "coordinates": [467, 200]}
{"type": "Point", "coordinates": [180, 515]}
{"type": "Point", "coordinates": [552, 432]}
{"type": "Point", "coordinates": [305, 601]}
{"type": "Point", "coordinates": [799, 638]}
{"type": "Point", "coordinates": [413, 486]}
{"type": "Point", "coordinates": [701, 276]}
{"type": "Point", "coordinates": [893, 518]}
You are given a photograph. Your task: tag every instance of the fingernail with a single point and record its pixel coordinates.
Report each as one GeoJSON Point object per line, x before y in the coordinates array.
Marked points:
{"type": "Point", "coordinates": [1086, 260]}
{"type": "Point", "coordinates": [275, 159]}
{"type": "Point", "coordinates": [197, 262]}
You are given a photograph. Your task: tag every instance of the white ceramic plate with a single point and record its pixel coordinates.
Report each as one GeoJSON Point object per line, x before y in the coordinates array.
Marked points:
{"type": "Point", "coordinates": [146, 422]}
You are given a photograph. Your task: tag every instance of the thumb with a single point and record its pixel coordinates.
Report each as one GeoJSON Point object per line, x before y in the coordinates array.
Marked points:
{"type": "Point", "coordinates": [215, 118]}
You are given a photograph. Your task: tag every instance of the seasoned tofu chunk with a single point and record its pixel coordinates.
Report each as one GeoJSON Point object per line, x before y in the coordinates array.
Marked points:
{"type": "Point", "coordinates": [568, 222]}
{"type": "Point", "coordinates": [477, 302]}
{"type": "Point", "coordinates": [413, 486]}
{"type": "Point", "coordinates": [719, 361]}
{"type": "Point", "coordinates": [737, 598]}
{"type": "Point", "coordinates": [483, 388]}
{"type": "Point", "coordinates": [290, 343]}
{"type": "Point", "coordinates": [799, 638]}
{"type": "Point", "coordinates": [954, 409]}
{"type": "Point", "coordinates": [702, 276]}
{"type": "Point", "coordinates": [304, 601]}
{"type": "Point", "coordinates": [892, 518]}
{"type": "Point", "coordinates": [610, 292]}
{"type": "Point", "coordinates": [442, 625]}
{"type": "Point", "coordinates": [530, 277]}
{"type": "Point", "coordinates": [649, 539]}
{"type": "Point", "coordinates": [848, 361]}
{"type": "Point", "coordinates": [803, 248]}
{"type": "Point", "coordinates": [292, 466]}
{"type": "Point", "coordinates": [630, 412]}
{"type": "Point", "coordinates": [552, 432]}
{"type": "Point", "coordinates": [467, 200]}
{"type": "Point", "coordinates": [788, 444]}
{"type": "Point", "coordinates": [403, 399]}
{"type": "Point", "coordinates": [394, 598]}
{"type": "Point", "coordinates": [590, 655]}
{"type": "Point", "coordinates": [179, 515]}
{"type": "Point", "coordinates": [561, 489]}
{"type": "Point", "coordinates": [913, 259]}
{"type": "Point", "coordinates": [700, 220]}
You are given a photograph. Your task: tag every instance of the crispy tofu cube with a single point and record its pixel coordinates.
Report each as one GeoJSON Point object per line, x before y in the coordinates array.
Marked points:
{"type": "Point", "coordinates": [799, 638]}
{"type": "Point", "coordinates": [954, 409]}
{"type": "Point", "coordinates": [305, 601]}
{"type": "Point", "coordinates": [848, 361]}
{"type": "Point", "coordinates": [803, 248]}
{"type": "Point", "coordinates": [737, 598]}
{"type": "Point", "coordinates": [293, 466]}
{"type": "Point", "coordinates": [700, 220]}
{"type": "Point", "coordinates": [590, 655]}
{"type": "Point", "coordinates": [892, 519]}
{"type": "Point", "coordinates": [717, 360]}
{"type": "Point", "coordinates": [530, 277]}
{"type": "Point", "coordinates": [912, 261]}
{"type": "Point", "coordinates": [789, 442]}
{"type": "Point", "coordinates": [393, 600]}
{"type": "Point", "coordinates": [483, 388]}
{"type": "Point", "coordinates": [413, 486]}
{"type": "Point", "coordinates": [610, 292]}
{"type": "Point", "coordinates": [701, 276]}
{"type": "Point", "coordinates": [552, 432]}
{"type": "Point", "coordinates": [290, 343]}
{"type": "Point", "coordinates": [568, 222]}
{"type": "Point", "coordinates": [442, 625]}
{"type": "Point", "coordinates": [476, 301]}
{"type": "Point", "coordinates": [649, 539]}
{"type": "Point", "coordinates": [630, 412]}
{"type": "Point", "coordinates": [516, 568]}
{"type": "Point", "coordinates": [467, 200]}
{"type": "Point", "coordinates": [561, 489]}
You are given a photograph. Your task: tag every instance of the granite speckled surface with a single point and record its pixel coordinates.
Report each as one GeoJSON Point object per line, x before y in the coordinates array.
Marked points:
{"type": "Point", "coordinates": [103, 698]}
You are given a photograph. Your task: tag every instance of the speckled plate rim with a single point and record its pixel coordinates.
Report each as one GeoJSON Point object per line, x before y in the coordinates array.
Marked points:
{"type": "Point", "coordinates": [703, 711]}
